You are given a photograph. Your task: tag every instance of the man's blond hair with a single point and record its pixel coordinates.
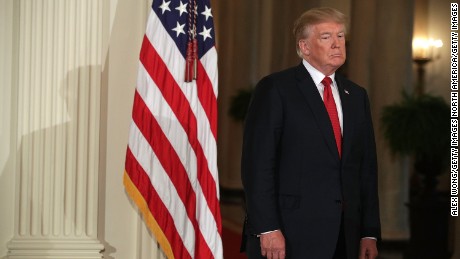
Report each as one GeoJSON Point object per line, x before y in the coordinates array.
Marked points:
{"type": "Point", "coordinates": [303, 25]}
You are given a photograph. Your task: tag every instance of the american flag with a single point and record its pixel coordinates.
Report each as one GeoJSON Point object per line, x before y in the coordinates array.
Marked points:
{"type": "Point", "coordinates": [171, 160]}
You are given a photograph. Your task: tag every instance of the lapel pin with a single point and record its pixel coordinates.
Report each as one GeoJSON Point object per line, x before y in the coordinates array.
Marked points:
{"type": "Point", "coordinates": [346, 91]}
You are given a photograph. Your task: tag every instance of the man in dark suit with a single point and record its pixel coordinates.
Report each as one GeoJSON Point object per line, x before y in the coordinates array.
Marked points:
{"type": "Point", "coordinates": [309, 166]}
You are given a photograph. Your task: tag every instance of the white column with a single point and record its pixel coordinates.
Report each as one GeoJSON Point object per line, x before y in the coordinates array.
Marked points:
{"type": "Point", "coordinates": [58, 103]}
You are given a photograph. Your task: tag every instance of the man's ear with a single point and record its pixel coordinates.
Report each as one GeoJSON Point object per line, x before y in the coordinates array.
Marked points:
{"type": "Point", "coordinates": [304, 47]}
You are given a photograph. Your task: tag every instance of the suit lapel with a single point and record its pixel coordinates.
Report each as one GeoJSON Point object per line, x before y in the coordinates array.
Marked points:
{"type": "Point", "coordinates": [310, 92]}
{"type": "Point", "coordinates": [345, 97]}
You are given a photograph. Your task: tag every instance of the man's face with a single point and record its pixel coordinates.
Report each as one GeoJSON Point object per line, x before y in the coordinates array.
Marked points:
{"type": "Point", "coordinates": [324, 48]}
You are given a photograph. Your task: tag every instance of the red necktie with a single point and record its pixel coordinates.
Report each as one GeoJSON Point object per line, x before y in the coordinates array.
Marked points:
{"type": "Point", "coordinates": [332, 110]}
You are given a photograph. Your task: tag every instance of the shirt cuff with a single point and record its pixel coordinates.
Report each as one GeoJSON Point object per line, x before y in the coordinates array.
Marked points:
{"type": "Point", "coordinates": [369, 238]}
{"type": "Point", "coordinates": [267, 232]}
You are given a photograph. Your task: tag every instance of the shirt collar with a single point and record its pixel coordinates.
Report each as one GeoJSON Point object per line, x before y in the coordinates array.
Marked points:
{"type": "Point", "coordinates": [316, 75]}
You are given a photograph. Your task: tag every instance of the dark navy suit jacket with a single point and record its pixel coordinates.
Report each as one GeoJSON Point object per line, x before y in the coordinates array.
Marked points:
{"type": "Point", "coordinates": [293, 177]}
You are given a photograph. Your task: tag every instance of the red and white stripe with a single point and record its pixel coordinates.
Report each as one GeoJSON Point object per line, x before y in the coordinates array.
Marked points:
{"type": "Point", "coordinates": [172, 154]}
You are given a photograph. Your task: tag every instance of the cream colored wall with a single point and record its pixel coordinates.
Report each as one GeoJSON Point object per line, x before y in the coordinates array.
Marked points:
{"type": "Point", "coordinates": [118, 216]}
{"type": "Point", "coordinates": [122, 231]}
{"type": "Point", "coordinates": [115, 207]}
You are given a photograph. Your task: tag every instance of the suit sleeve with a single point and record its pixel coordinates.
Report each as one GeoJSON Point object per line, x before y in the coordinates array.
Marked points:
{"type": "Point", "coordinates": [369, 182]}
{"type": "Point", "coordinates": [262, 132]}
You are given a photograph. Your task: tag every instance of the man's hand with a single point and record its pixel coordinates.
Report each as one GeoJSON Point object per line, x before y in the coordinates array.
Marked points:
{"type": "Point", "coordinates": [368, 249]}
{"type": "Point", "coordinates": [272, 245]}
